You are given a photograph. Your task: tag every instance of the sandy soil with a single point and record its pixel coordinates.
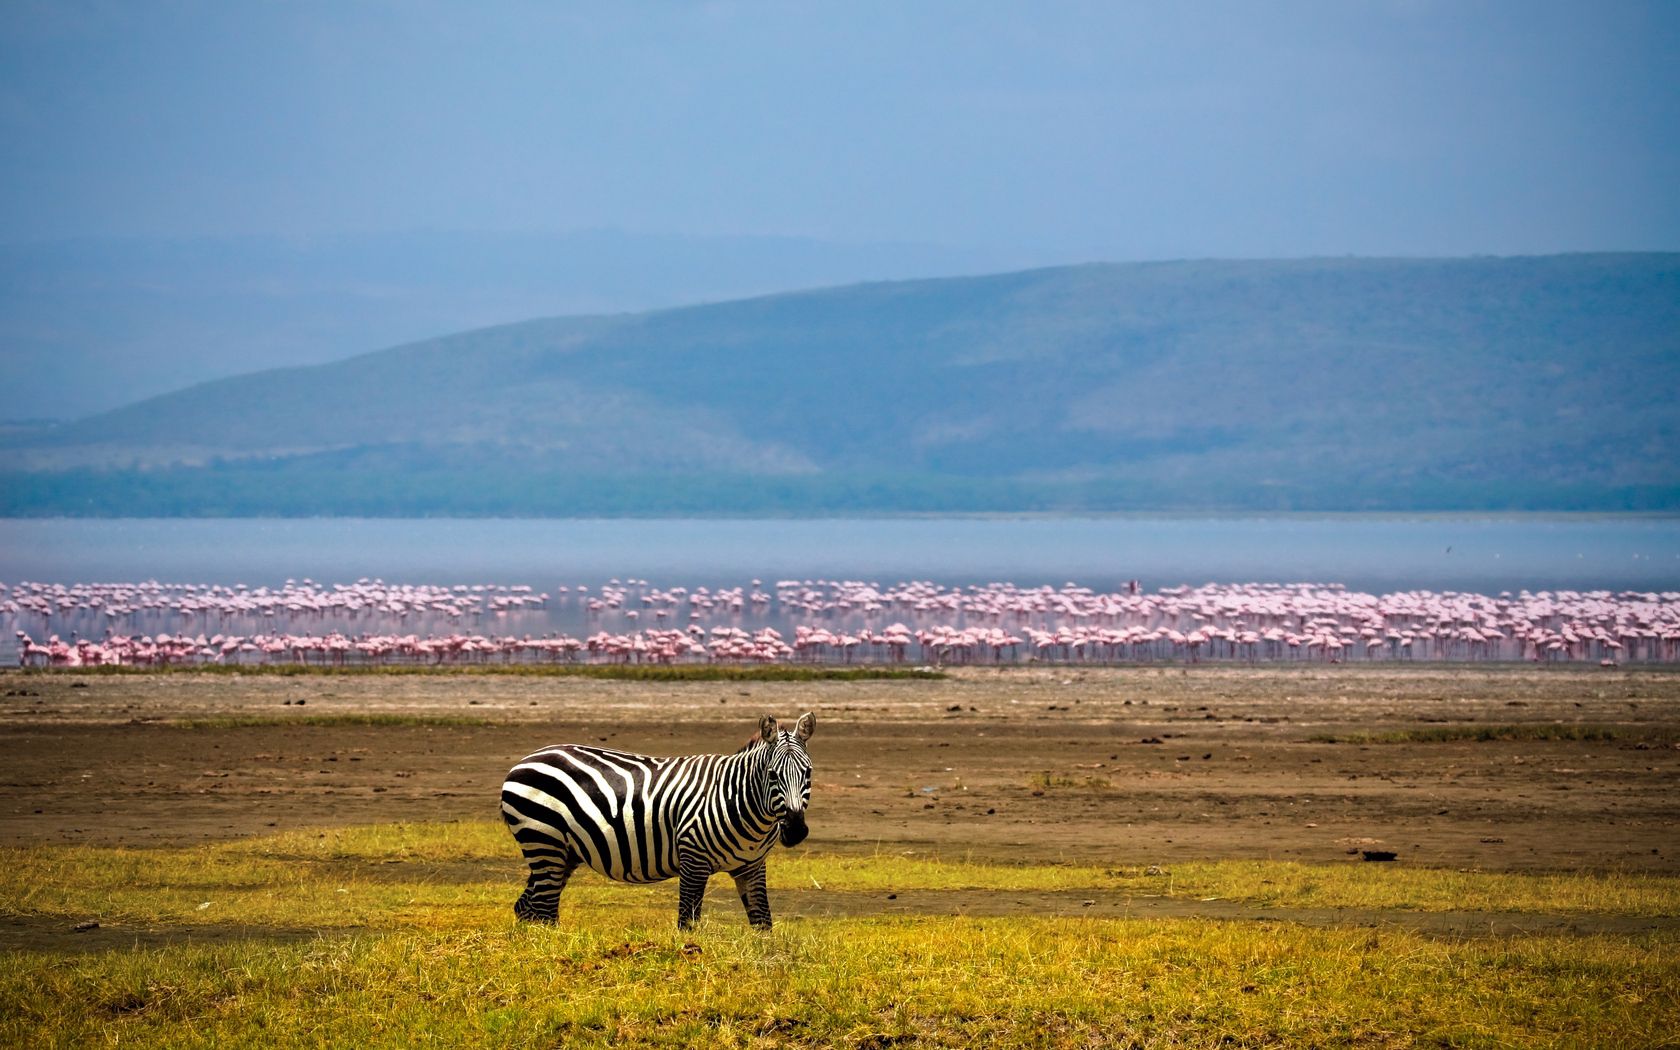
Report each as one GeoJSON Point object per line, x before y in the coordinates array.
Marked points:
{"type": "Point", "coordinates": [1039, 764]}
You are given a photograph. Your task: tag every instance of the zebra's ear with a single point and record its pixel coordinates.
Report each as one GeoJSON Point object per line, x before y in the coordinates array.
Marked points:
{"type": "Point", "coordinates": [806, 725]}
{"type": "Point", "coordinates": [767, 728]}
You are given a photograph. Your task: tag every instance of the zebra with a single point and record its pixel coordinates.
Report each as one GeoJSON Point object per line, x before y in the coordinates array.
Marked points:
{"type": "Point", "coordinates": [639, 819]}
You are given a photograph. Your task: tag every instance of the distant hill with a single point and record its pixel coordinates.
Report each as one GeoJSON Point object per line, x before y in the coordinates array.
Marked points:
{"type": "Point", "coordinates": [88, 325]}
{"type": "Point", "coordinates": [1426, 384]}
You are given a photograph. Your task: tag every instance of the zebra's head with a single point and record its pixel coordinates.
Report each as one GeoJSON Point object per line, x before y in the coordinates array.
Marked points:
{"type": "Point", "coordinates": [789, 786]}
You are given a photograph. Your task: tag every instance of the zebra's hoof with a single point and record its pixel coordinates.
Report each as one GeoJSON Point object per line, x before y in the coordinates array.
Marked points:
{"type": "Point", "coordinates": [525, 913]}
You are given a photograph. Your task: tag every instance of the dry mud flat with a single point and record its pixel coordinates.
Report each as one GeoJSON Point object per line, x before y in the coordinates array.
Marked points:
{"type": "Point", "coordinates": [1122, 766]}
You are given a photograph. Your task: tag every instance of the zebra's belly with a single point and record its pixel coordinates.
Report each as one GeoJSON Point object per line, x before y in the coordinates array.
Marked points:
{"type": "Point", "coordinates": [633, 873]}
{"type": "Point", "coordinates": [718, 858]}
{"type": "Point", "coordinates": [729, 857]}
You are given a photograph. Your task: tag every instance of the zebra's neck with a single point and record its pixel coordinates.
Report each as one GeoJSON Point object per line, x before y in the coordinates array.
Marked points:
{"type": "Point", "coordinates": [747, 776]}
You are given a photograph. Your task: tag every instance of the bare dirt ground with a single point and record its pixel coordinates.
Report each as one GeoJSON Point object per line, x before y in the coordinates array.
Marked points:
{"type": "Point", "coordinates": [1122, 766]}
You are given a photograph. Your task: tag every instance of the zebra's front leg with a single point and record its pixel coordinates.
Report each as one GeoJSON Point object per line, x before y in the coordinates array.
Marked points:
{"type": "Point", "coordinates": [755, 895]}
{"type": "Point", "coordinates": [692, 891]}
{"type": "Point", "coordinates": [541, 900]}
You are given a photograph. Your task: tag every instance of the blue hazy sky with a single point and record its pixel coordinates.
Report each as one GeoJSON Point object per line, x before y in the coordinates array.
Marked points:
{"type": "Point", "coordinates": [1051, 131]}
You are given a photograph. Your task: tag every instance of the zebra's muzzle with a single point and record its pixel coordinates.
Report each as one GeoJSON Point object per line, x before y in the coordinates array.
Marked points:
{"type": "Point", "coordinates": [794, 829]}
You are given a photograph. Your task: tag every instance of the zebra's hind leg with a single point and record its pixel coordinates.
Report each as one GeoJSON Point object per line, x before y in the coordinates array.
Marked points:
{"type": "Point", "coordinates": [755, 895]}
{"type": "Point", "coordinates": [541, 900]}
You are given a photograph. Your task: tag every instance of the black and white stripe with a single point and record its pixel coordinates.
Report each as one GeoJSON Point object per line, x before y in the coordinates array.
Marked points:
{"type": "Point", "coordinates": [635, 818]}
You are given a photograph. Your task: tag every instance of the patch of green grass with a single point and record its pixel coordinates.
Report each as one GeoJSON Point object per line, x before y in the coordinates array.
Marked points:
{"type": "Point", "coordinates": [1270, 883]}
{"type": "Point", "coordinates": [1482, 733]}
{"type": "Point", "coordinates": [329, 721]}
{"type": "Point", "coordinates": [1044, 780]}
{"type": "Point", "coordinates": [1354, 885]}
{"type": "Point", "coordinates": [616, 672]}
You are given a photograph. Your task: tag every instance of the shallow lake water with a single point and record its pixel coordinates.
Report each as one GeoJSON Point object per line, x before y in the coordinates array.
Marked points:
{"type": "Point", "coordinates": [1372, 553]}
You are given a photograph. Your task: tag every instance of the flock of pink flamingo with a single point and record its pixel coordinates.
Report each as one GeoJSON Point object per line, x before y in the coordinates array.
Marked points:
{"type": "Point", "coordinates": [371, 622]}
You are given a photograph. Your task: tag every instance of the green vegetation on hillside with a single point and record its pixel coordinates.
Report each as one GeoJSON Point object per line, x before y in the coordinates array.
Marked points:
{"type": "Point", "coordinates": [1484, 384]}
{"type": "Point", "coordinates": [298, 489]}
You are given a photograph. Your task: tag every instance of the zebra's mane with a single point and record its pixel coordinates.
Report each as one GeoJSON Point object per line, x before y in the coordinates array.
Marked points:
{"type": "Point", "coordinates": [752, 742]}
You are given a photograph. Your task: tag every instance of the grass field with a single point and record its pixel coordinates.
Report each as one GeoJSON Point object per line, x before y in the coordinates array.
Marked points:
{"type": "Point", "coordinates": [402, 935]}
{"type": "Point", "coordinates": [213, 859]}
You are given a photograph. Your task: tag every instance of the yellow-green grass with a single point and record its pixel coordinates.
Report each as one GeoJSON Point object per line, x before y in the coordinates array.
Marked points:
{"type": "Point", "coordinates": [621, 975]}
{"type": "Point", "coordinates": [402, 935]}
{"type": "Point", "coordinates": [415, 873]}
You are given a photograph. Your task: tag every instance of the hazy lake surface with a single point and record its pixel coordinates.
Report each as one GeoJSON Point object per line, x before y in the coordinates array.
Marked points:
{"type": "Point", "coordinates": [1374, 553]}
